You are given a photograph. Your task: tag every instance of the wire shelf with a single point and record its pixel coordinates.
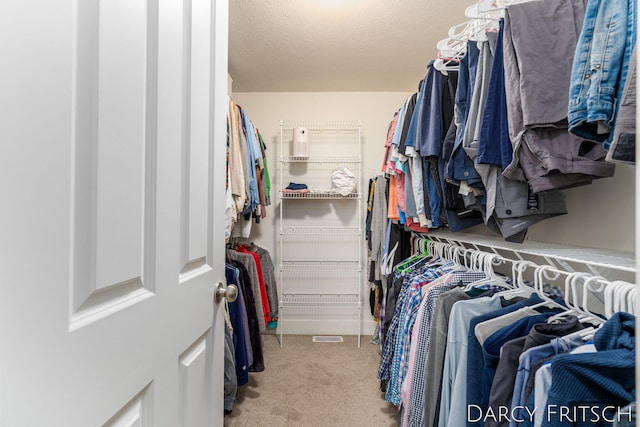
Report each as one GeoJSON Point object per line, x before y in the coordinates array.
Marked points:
{"type": "Point", "coordinates": [322, 159]}
{"type": "Point", "coordinates": [353, 266]}
{"type": "Point", "coordinates": [323, 126]}
{"type": "Point", "coordinates": [611, 259]}
{"type": "Point", "coordinates": [312, 195]}
{"type": "Point", "coordinates": [320, 231]}
{"type": "Point", "coordinates": [320, 300]}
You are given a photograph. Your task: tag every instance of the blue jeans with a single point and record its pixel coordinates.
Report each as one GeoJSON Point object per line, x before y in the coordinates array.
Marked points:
{"type": "Point", "coordinates": [600, 67]}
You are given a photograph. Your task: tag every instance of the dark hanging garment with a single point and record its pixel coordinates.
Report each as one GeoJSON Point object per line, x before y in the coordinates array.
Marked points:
{"type": "Point", "coordinates": [241, 356]}
{"type": "Point", "coordinates": [254, 328]}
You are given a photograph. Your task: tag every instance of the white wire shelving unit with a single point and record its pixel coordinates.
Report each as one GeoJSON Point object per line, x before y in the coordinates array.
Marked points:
{"type": "Point", "coordinates": [321, 266]}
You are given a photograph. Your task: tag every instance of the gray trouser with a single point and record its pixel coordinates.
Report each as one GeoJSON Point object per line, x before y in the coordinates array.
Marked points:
{"type": "Point", "coordinates": [540, 38]}
{"type": "Point", "coordinates": [623, 146]}
{"type": "Point", "coordinates": [230, 379]}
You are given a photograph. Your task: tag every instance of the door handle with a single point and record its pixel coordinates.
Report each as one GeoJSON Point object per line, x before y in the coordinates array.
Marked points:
{"type": "Point", "coordinates": [229, 292]}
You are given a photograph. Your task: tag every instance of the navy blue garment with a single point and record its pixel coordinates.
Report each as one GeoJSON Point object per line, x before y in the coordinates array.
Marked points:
{"type": "Point", "coordinates": [601, 379]}
{"type": "Point", "coordinates": [430, 128]}
{"type": "Point", "coordinates": [241, 358]}
{"type": "Point", "coordinates": [429, 140]}
{"type": "Point", "coordinates": [460, 166]}
{"type": "Point", "coordinates": [294, 186]}
{"type": "Point", "coordinates": [433, 191]}
{"type": "Point", "coordinates": [448, 100]}
{"type": "Point", "coordinates": [475, 359]}
{"type": "Point", "coordinates": [494, 145]}
{"type": "Point", "coordinates": [254, 326]}
{"type": "Point", "coordinates": [412, 135]}
{"type": "Point", "coordinates": [409, 112]}
{"type": "Point", "coordinates": [458, 216]}
{"type": "Point", "coordinates": [493, 344]}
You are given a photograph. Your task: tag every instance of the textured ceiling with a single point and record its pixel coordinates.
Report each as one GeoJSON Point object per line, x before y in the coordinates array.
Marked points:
{"type": "Point", "coordinates": [335, 45]}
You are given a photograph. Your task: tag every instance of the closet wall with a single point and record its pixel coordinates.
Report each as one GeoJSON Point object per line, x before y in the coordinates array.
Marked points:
{"type": "Point", "coordinates": [373, 109]}
{"type": "Point", "coordinates": [601, 215]}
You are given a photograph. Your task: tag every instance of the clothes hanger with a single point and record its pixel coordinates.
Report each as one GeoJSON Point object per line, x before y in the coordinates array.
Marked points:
{"type": "Point", "coordinates": [469, 29]}
{"type": "Point", "coordinates": [540, 274]}
{"type": "Point", "coordinates": [410, 262]}
{"type": "Point", "coordinates": [627, 297]}
{"type": "Point", "coordinates": [444, 65]}
{"type": "Point", "coordinates": [491, 25]}
{"type": "Point", "coordinates": [546, 273]}
{"type": "Point", "coordinates": [609, 295]}
{"type": "Point", "coordinates": [619, 296]}
{"type": "Point", "coordinates": [488, 6]}
{"type": "Point", "coordinates": [385, 263]}
{"type": "Point", "coordinates": [452, 48]}
{"type": "Point", "coordinates": [519, 286]}
{"type": "Point", "coordinates": [602, 283]}
{"type": "Point", "coordinates": [584, 315]}
{"type": "Point", "coordinates": [468, 258]}
{"type": "Point", "coordinates": [632, 301]}
{"type": "Point", "coordinates": [573, 308]}
{"type": "Point", "coordinates": [491, 277]}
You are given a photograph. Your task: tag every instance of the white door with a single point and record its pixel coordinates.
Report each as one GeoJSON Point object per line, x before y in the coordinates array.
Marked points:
{"type": "Point", "coordinates": [112, 161]}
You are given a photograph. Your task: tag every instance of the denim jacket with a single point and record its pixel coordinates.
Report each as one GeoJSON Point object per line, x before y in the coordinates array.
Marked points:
{"type": "Point", "coordinates": [600, 68]}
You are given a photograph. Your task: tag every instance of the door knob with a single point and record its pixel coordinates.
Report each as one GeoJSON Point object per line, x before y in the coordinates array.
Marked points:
{"type": "Point", "coordinates": [229, 292]}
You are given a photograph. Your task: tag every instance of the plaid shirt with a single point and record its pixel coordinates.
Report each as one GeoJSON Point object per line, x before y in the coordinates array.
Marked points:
{"type": "Point", "coordinates": [387, 337]}
{"type": "Point", "coordinates": [406, 319]}
{"type": "Point", "coordinates": [390, 338]}
{"type": "Point", "coordinates": [413, 397]}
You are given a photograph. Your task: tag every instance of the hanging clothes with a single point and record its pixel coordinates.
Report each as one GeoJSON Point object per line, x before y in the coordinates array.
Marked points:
{"type": "Point", "coordinates": [248, 182]}
{"type": "Point", "coordinates": [241, 353]}
{"type": "Point", "coordinates": [246, 293]}
{"type": "Point", "coordinates": [266, 311]}
{"type": "Point", "coordinates": [270, 283]}
{"type": "Point", "coordinates": [546, 155]}
{"type": "Point", "coordinates": [600, 68]}
{"type": "Point", "coordinates": [491, 142]}
{"type": "Point", "coordinates": [623, 144]}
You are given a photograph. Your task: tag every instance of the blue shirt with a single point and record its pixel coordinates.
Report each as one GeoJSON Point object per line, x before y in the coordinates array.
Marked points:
{"type": "Point", "coordinates": [604, 378]}
{"type": "Point", "coordinates": [430, 127]}
{"type": "Point", "coordinates": [454, 374]}
{"type": "Point", "coordinates": [527, 359]}
{"type": "Point", "coordinates": [493, 344]}
{"type": "Point", "coordinates": [475, 360]}
{"type": "Point", "coordinates": [416, 408]}
{"type": "Point", "coordinates": [254, 152]}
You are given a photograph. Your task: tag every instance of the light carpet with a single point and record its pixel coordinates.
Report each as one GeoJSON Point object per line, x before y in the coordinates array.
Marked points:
{"type": "Point", "coordinates": [314, 384]}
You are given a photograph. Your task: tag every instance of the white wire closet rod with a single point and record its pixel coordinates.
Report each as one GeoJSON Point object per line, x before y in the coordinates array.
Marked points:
{"type": "Point", "coordinates": [322, 159]}
{"type": "Point", "coordinates": [352, 266]}
{"type": "Point", "coordinates": [318, 196]}
{"type": "Point", "coordinates": [590, 257]}
{"type": "Point", "coordinates": [323, 126]}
